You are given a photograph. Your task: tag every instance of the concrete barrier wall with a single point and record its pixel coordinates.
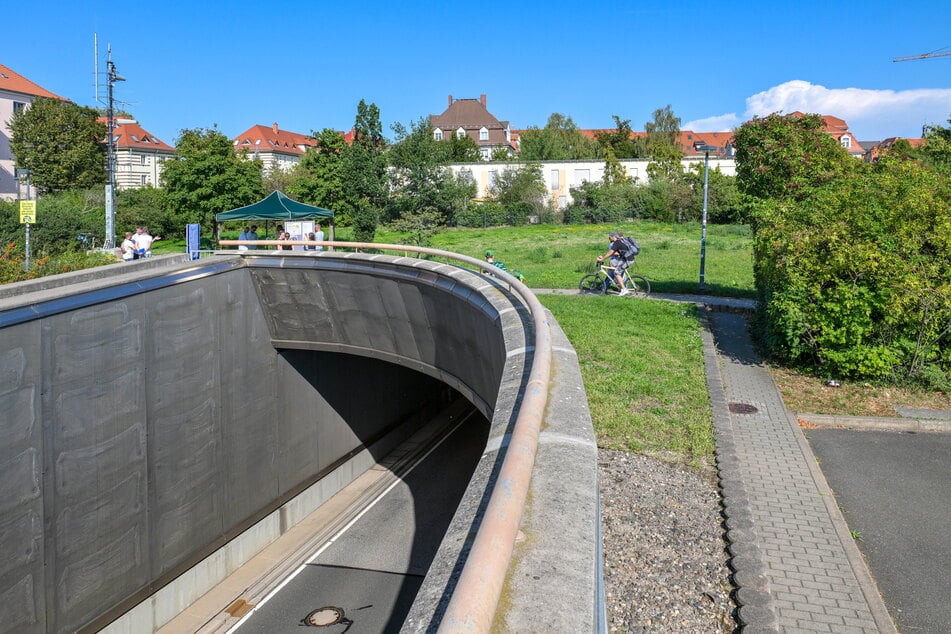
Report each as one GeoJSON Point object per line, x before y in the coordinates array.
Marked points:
{"type": "Point", "coordinates": [142, 432]}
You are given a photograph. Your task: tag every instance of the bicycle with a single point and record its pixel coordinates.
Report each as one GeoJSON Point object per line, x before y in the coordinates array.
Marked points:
{"type": "Point", "coordinates": [602, 281]}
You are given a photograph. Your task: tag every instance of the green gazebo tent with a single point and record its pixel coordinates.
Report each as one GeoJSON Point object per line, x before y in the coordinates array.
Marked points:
{"type": "Point", "coordinates": [277, 206]}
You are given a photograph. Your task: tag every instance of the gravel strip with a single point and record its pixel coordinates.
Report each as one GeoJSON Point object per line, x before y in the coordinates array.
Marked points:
{"type": "Point", "coordinates": [665, 567]}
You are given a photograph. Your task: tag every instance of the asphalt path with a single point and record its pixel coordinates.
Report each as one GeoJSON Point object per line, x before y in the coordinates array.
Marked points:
{"type": "Point", "coordinates": [366, 579]}
{"type": "Point", "coordinates": [894, 489]}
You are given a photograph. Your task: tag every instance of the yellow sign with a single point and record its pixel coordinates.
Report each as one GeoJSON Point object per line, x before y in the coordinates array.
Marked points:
{"type": "Point", "coordinates": [27, 212]}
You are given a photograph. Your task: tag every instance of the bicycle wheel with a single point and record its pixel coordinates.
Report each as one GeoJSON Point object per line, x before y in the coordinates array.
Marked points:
{"type": "Point", "coordinates": [638, 285]}
{"type": "Point", "coordinates": [591, 285]}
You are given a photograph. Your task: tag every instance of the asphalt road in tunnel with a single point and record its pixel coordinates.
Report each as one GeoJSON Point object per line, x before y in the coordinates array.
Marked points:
{"type": "Point", "coordinates": [365, 579]}
{"type": "Point", "coordinates": [894, 489]}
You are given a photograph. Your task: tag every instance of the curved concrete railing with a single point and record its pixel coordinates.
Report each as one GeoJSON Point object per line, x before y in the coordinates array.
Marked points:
{"type": "Point", "coordinates": [476, 595]}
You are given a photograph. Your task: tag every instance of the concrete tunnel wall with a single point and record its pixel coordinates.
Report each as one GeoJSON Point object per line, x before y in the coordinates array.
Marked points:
{"type": "Point", "coordinates": [141, 432]}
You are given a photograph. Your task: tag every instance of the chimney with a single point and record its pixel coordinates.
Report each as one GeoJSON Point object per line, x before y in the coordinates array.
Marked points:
{"type": "Point", "coordinates": [482, 99]}
{"type": "Point", "coordinates": [450, 100]}
{"type": "Point", "coordinates": [274, 127]}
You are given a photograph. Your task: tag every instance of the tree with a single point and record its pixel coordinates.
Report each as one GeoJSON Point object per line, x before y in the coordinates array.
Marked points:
{"type": "Point", "coordinates": [521, 191]}
{"type": "Point", "coordinates": [936, 153]}
{"type": "Point", "coordinates": [318, 178]}
{"type": "Point", "coordinates": [207, 177]}
{"type": "Point", "coordinates": [785, 156]}
{"type": "Point", "coordinates": [364, 172]}
{"type": "Point", "coordinates": [462, 149]}
{"type": "Point", "coordinates": [559, 140]}
{"type": "Point", "coordinates": [621, 140]}
{"type": "Point", "coordinates": [420, 180]}
{"type": "Point", "coordinates": [662, 146]}
{"type": "Point", "coordinates": [60, 143]}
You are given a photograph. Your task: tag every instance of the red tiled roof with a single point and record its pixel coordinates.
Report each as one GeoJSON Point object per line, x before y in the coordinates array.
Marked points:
{"type": "Point", "coordinates": [14, 82]}
{"type": "Point", "coordinates": [133, 136]}
{"type": "Point", "coordinates": [262, 138]}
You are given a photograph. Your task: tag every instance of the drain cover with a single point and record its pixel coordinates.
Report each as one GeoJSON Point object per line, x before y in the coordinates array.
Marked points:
{"type": "Point", "coordinates": [742, 408]}
{"type": "Point", "coordinates": [322, 617]}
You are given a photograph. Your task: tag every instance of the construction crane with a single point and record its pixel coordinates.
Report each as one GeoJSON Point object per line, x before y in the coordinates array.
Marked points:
{"type": "Point", "coordinates": [938, 53]}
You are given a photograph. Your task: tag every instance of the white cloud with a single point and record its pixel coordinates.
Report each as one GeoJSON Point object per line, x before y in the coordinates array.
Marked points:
{"type": "Point", "coordinates": [871, 114]}
{"type": "Point", "coordinates": [719, 123]}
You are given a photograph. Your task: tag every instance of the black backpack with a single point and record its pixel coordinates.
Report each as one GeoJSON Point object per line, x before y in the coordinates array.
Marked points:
{"type": "Point", "coordinates": [629, 247]}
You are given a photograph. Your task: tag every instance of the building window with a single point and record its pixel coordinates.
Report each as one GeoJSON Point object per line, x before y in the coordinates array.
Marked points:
{"type": "Point", "coordinates": [144, 180]}
{"type": "Point", "coordinates": [847, 142]}
{"type": "Point", "coordinates": [581, 177]}
{"type": "Point", "coordinates": [460, 133]}
{"type": "Point", "coordinates": [18, 106]}
{"type": "Point", "coordinates": [562, 202]}
{"type": "Point", "coordinates": [484, 134]}
{"type": "Point", "coordinates": [144, 160]}
{"type": "Point", "coordinates": [485, 153]}
{"type": "Point", "coordinates": [555, 181]}
{"type": "Point", "coordinates": [437, 134]}
{"type": "Point", "coordinates": [493, 178]}
{"type": "Point", "coordinates": [466, 176]}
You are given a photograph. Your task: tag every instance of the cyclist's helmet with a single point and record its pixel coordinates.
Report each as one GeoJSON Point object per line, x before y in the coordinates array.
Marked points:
{"type": "Point", "coordinates": [489, 253]}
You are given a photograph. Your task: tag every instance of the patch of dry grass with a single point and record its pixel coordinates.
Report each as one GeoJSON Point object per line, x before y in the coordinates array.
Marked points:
{"type": "Point", "coordinates": [810, 395]}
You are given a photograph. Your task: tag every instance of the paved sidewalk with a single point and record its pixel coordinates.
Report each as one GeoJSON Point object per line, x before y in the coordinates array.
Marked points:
{"type": "Point", "coordinates": [796, 566]}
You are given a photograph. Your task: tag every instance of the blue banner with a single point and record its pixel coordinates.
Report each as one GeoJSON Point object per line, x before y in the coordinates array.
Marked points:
{"type": "Point", "coordinates": [193, 240]}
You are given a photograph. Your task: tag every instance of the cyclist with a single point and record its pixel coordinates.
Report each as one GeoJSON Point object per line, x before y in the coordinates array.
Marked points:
{"type": "Point", "coordinates": [620, 256]}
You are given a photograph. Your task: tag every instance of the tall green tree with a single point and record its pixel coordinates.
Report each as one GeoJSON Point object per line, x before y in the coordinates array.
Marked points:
{"type": "Point", "coordinates": [318, 178]}
{"type": "Point", "coordinates": [62, 145]}
{"type": "Point", "coordinates": [420, 179]}
{"type": "Point", "coordinates": [785, 156]}
{"type": "Point", "coordinates": [663, 149]}
{"type": "Point", "coordinates": [364, 172]}
{"type": "Point", "coordinates": [559, 140]}
{"type": "Point", "coordinates": [622, 141]}
{"type": "Point", "coordinates": [207, 177]}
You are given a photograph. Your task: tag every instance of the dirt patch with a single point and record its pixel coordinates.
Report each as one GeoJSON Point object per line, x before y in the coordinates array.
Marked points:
{"type": "Point", "coordinates": [803, 393]}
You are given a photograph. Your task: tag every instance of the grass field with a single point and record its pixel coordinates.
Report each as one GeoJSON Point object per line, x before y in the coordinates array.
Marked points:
{"type": "Point", "coordinates": [556, 256]}
{"type": "Point", "coordinates": [642, 366]}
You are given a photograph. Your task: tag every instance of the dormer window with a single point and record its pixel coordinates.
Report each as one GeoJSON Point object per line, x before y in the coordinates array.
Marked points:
{"type": "Point", "coordinates": [847, 142]}
{"type": "Point", "coordinates": [460, 133]}
{"type": "Point", "coordinates": [134, 138]}
{"type": "Point", "coordinates": [484, 134]}
{"type": "Point", "coordinates": [437, 134]}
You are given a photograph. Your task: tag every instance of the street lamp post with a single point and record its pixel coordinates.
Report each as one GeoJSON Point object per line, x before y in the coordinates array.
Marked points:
{"type": "Point", "coordinates": [700, 146]}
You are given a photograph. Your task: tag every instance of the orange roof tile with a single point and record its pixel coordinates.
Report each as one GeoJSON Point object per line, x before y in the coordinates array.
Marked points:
{"type": "Point", "coordinates": [264, 138]}
{"type": "Point", "coordinates": [14, 82]}
{"type": "Point", "coordinates": [133, 136]}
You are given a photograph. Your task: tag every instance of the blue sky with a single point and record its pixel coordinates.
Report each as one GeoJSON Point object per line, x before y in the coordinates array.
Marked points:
{"type": "Point", "coordinates": [306, 65]}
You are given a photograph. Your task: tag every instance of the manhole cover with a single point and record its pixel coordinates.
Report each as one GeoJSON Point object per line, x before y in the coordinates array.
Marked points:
{"type": "Point", "coordinates": [742, 408]}
{"type": "Point", "coordinates": [322, 617]}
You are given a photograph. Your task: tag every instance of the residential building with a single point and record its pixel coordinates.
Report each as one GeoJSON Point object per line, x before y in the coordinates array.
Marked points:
{"type": "Point", "coordinates": [140, 156]}
{"type": "Point", "coordinates": [561, 176]}
{"type": "Point", "coordinates": [16, 93]}
{"type": "Point", "coordinates": [874, 149]}
{"type": "Point", "coordinates": [470, 117]}
{"type": "Point", "coordinates": [275, 148]}
{"type": "Point", "coordinates": [838, 129]}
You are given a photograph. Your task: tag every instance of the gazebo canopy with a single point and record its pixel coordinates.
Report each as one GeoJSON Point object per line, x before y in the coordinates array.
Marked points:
{"type": "Point", "coordinates": [277, 206]}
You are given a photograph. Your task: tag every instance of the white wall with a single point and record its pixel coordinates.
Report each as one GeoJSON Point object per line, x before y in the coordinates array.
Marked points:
{"type": "Point", "coordinates": [574, 173]}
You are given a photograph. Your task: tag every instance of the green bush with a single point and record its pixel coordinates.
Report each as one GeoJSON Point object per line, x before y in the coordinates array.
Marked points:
{"type": "Point", "coordinates": [855, 276]}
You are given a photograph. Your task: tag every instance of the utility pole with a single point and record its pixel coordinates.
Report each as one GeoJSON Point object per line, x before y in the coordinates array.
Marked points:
{"type": "Point", "coordinates": [112, 76]}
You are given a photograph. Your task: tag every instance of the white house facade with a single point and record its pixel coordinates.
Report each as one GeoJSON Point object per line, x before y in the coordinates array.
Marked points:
{"type": "Point", "coordinates": [16, 93]}
{"type": "Point", "coordinates": [140, 156]}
